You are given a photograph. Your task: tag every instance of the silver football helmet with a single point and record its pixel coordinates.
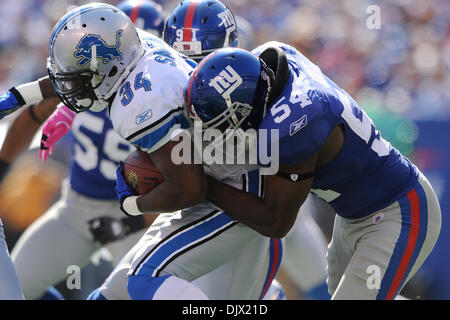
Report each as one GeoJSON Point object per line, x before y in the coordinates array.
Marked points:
{"type": "Point", "coordinates": [93, 48]}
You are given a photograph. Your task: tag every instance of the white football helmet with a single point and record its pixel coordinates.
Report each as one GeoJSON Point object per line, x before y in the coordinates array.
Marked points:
{"type": "Point", "coordinates": [93, 48]}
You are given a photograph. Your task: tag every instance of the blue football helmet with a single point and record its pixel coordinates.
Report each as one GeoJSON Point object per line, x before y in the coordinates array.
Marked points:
{"type": "Point", "coordinates": [145, 14]}
{"type": "Point", "coordinates": [196, 28]}
{"type": "Point", "coordinates": [229, 90]}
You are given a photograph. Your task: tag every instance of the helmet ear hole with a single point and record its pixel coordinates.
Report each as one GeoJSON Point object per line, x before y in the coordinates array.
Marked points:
{"type": "Point", "coordinates": [205, 19]}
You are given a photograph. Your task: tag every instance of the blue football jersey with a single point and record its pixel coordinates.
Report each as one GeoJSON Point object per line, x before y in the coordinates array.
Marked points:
{"type": "Point", "coordinates": [96, 152]}
{"type": "Point", "coordinates": [368, 173]}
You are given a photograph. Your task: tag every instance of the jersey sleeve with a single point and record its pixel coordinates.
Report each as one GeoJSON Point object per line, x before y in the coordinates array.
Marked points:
{"type": "Point", "coordinates": [155, 113]}
{"type": "Point", "coordinates": [299, 135]}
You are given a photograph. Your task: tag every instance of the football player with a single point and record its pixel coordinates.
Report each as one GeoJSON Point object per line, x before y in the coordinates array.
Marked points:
{"type": "Point", "coordinates": [111, 283]}
{"type": "Point", "coordinates": [388, 217]}
{"type": "Point", "coordinates": [201, 28]}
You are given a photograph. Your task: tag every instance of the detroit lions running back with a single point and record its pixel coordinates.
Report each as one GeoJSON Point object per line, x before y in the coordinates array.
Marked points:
{"type": "Point", "coordinates": [141, 70]}
{"type": "Point", "coordinates": [388, 217]}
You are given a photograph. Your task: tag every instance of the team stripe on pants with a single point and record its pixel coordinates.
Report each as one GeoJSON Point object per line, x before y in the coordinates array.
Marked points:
{"type": "Point", "coordinates": [414, 212]}
{"type": "Point", "coordinates": [185, 239]}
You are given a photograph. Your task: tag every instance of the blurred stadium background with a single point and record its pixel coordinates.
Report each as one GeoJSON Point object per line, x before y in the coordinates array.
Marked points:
{"type": "Point", "coordinates": [398, 73]}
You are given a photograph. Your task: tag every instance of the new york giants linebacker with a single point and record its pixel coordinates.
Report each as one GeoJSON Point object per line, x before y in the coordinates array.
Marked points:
{"type": "Point", "coordinates": [87, 216]}
{"type": "Point", "coordinates": [197, 28]}
{"type": "Point", "coordinates": [388, 217]}
{"type": "Point", "coordinates": [143, 82]}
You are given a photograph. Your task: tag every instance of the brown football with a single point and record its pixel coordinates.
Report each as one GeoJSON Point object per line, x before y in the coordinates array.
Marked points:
{"type": "Point", "coordinates": [140, 172]}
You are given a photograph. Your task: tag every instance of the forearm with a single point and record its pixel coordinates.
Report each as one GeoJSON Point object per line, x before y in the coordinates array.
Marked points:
{"type": "Point", "coordinates": [245, 207]}
{"type": "Point", "coordinates": [23, 129]}
{"type": "Point", "coordinates": [171, 196]}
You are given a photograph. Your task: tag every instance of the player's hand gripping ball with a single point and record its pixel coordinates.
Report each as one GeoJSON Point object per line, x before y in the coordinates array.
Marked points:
{"type": "Point", "coordinates": [140, 172]}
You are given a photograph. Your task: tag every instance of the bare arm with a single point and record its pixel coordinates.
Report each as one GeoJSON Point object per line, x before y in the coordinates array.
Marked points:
{"type": "Point", "coordinates": [184, 184]}
{"type": "Point", "coordinates": [23, 129]}
{"type": "Point", "coordinates": [275, 213]}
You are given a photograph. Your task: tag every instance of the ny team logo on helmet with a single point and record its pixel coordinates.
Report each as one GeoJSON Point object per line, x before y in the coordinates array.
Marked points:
{"type": "Point", "coordinates": [198, 27]}
{"type": "Point", "coordinates": [145, 14]}
{"type": "Point", "coordinates": [92, 42]}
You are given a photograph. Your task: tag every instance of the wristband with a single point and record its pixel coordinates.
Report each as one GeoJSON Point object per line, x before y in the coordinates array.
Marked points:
{"type": "Point", "coordinates": [30, 92]}
{"type": "Point", "coordinates": [130, 207]}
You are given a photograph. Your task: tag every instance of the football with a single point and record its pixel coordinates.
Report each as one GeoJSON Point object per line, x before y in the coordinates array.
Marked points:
{"type": "Point", "coordinates": [140, 172]}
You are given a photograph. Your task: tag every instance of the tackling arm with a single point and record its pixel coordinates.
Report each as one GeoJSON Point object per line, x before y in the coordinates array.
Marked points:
{"type": "Point", "coordinates": [275, 213]}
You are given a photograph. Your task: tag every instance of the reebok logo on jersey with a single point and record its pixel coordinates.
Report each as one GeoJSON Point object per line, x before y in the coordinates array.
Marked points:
{"type": "Point", "coordinates": [298, 125]}
{"type": "Point", "coordinates": [226, 82]}
{"type": "Point", "coordinates": [103, 51]}
{"type": "Point", "coordinates": [144, 116]}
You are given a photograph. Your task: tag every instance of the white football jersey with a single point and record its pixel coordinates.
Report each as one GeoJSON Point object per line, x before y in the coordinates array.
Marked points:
{"type": "Point", "coordinates": [148, 107]}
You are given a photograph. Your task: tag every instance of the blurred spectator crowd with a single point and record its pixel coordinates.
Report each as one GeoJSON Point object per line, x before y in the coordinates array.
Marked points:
{"type": "Point", "coordinates": [403, 66]}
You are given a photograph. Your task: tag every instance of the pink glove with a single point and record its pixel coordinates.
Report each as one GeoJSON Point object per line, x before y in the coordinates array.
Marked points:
{"type": "Point", "coordinates": [56, 127]}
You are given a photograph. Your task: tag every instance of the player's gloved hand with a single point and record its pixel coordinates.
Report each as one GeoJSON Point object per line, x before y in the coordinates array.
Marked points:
{"type": "Point", "coordinates": [56, 127]}
{"type": "Point", "coordinates": [10, 102]}
{"type": "Point", "coordinates": [126, 196]}
{"type": "Point", "coordinates": [108, 229]}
